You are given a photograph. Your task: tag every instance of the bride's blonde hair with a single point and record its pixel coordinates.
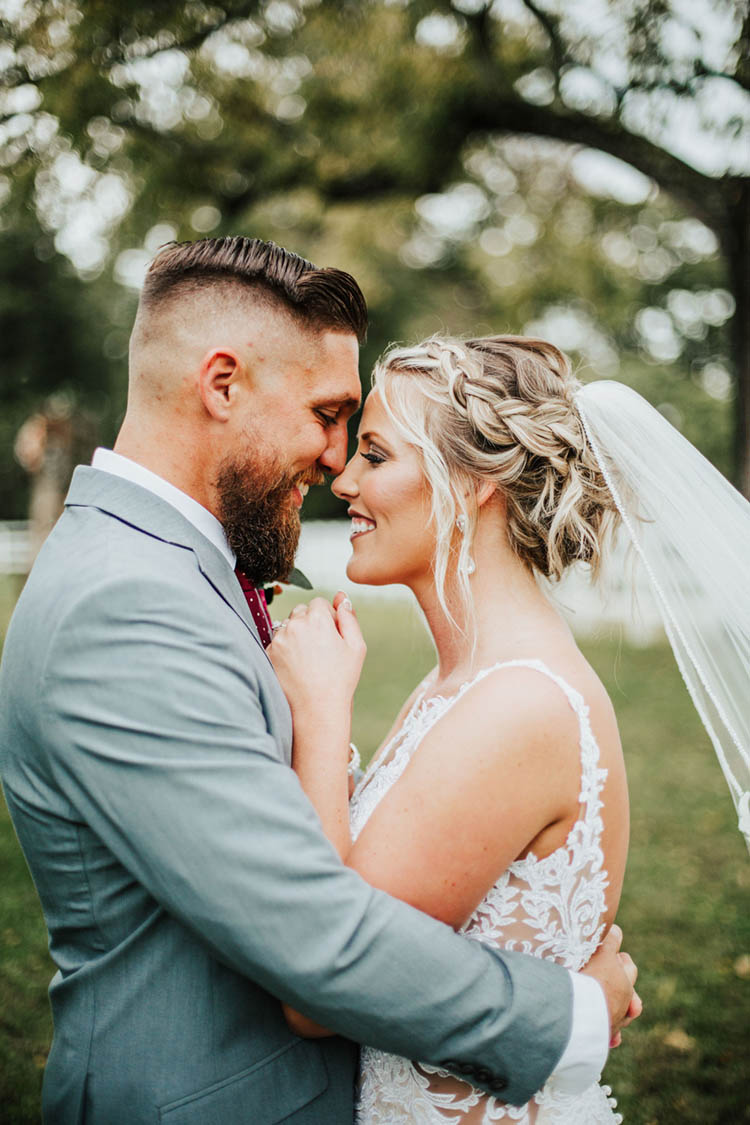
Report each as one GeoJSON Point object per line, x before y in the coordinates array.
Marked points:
{"type": "Point", "coordinates": [500, 409]}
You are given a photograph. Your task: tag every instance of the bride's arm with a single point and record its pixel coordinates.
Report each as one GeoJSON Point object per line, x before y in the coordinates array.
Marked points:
{"type": "Point", "coordinates": [499, 769]}
{"type": "Point", "coordinates": [498, 774]}
{"type": "Point", "coordinates": [320, 687]}
{"type": "Point", "coordinates": [318, 657]}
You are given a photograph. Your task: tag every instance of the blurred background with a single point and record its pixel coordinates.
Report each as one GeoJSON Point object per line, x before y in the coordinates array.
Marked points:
{"type": "Point", "coordinates": [576, 170]}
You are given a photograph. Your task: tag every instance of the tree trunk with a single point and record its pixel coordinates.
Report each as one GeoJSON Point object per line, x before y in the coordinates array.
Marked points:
{"type": "Point", "coordinates": [737, 249]}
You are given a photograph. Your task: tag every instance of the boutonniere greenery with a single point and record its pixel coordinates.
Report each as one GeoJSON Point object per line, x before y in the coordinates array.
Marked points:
{"type": "Point", "coordinates": [294, 578]}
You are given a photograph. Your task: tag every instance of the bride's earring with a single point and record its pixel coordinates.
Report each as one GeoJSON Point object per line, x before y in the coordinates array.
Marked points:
{"type": "Point", "coordinates": [469, 566]}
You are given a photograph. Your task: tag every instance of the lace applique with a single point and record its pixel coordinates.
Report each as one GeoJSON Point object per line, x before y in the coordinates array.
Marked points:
{"type": "Point", "coordinates": [392, 760]}
{"type": "Point", "coordinates": [551, 907]}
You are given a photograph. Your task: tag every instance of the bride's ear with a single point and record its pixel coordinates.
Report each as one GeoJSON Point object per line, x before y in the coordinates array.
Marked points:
{"type": "Point", "coordinates": [486, 491]}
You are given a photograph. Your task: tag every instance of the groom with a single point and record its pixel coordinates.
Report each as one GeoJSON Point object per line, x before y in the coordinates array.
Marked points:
{"type": "Point", "coordinates": [145, 746]}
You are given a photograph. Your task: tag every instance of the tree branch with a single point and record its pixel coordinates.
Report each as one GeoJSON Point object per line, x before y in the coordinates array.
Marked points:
{"type": "Point", "coordinates": [190, 42]}
{"type": "Point", "coordinates": [742, 70]}
{"type": "Point", "coordinates": [550, 25]}
{"type": "Point", "coordinates": [682, 87]}
{"type": "Point", "coordinates": [479, 26]}
{"type": "Point", "coordinates": [701, 194]}
{"type": "Point", "coordinates": [706, 197]}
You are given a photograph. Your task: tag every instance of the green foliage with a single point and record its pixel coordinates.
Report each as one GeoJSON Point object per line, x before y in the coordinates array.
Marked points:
{"type": "Point", "coordinates": [25, 971]}
{"type": "Point", "coordinates": [439, 161]}
{"type": "Point", "coordinates": [55, 332]}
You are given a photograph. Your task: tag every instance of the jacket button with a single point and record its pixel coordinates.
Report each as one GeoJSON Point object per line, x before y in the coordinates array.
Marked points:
{"type": "Point", "coordinates": [482, 1074]}
{"type": "Point", "coordinates": [467, 1069]}
{"type": "Point", "coordinates": [497, 1085]}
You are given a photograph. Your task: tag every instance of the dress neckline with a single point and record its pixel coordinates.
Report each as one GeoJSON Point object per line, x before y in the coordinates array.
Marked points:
{"type": "Point", "coordinates": [518, 662]}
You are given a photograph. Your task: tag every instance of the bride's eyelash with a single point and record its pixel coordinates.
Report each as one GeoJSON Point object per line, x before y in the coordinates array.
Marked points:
{"type": "Point", "coordinates": [373, 458]}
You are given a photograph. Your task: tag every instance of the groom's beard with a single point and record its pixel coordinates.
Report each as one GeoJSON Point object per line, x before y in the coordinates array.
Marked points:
{"type": "Point", "coordinates": [261, 523]}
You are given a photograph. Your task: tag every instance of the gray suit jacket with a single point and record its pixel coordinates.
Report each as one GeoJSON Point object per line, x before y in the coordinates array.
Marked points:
{"type": "Point", "coordinates": [145, 747]}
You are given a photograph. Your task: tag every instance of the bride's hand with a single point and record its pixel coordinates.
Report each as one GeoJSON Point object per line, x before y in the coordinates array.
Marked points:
{"type": "Point", "coordinates": [318, 655]}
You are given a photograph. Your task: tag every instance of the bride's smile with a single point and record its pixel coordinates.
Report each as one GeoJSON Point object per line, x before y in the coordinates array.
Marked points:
{"type": "Point", "coordinates": [360, 524]}
{"type": "Point", "coordinates": [389, 504]}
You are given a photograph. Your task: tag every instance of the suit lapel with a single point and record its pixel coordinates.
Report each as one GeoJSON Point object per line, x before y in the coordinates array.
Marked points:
{"type": "Point", "coordinates": [143, 510]}
{"type": "Point", "coordinates": [217, 571]}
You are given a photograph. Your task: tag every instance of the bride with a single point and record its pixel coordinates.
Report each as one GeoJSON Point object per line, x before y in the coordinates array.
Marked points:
{"type": "Point", "coordinates": [498, 801]}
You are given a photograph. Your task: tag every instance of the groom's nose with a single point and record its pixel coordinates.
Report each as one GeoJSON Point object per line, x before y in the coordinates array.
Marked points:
{"type": "Point", "coordinates": [333, 458]}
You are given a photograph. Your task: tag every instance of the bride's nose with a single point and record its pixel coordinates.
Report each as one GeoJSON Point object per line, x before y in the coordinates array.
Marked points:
{"type": "Point", "coordinates": [345, 485]}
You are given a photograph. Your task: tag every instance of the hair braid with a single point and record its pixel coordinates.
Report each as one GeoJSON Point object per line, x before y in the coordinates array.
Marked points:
{"type": "Point", "coordinates": [501, 408]}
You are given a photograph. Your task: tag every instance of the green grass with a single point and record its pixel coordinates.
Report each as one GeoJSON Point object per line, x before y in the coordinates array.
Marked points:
{"type": "Point", "coordinates": [684, 908]}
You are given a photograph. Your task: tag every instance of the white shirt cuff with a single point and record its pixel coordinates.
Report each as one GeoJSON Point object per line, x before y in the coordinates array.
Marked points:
{"type": "Point", "coordinates": [586, 1053]}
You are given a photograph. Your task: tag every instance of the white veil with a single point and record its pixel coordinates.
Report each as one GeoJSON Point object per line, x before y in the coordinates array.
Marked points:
{"type": "Point", "coordinates": [691, 531]}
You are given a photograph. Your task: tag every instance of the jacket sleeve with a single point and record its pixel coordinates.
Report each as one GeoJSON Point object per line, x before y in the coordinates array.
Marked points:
{"type": "Point", "coordinates": [155, 732]}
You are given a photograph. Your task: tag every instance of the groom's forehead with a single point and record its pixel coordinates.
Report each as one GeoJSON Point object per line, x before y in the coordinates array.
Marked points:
{"type": "Point", "coordinates": [331, 375]}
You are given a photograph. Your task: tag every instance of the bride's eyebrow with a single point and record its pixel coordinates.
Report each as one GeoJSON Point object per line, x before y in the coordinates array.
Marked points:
{"type": "Point", "coordinates": [372, 435]}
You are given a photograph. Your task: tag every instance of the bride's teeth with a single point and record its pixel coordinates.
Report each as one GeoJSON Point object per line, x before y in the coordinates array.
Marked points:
{"type": "Point", "coordinates": [304, 489]}
{"type": "Point", "coordinates": [361, 526]}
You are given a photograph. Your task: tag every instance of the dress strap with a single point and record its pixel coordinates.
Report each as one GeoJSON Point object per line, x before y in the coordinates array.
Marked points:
{"type": "Point", "coordinates": [592, 777]}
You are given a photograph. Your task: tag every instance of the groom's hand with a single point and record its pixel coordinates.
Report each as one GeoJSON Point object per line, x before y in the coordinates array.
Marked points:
{"type": "Point", "coordinates": [616, 972]}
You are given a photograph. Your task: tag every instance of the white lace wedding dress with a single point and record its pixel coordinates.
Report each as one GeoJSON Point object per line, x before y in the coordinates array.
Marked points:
{"type": "Point", "coordinates": [551, 907]}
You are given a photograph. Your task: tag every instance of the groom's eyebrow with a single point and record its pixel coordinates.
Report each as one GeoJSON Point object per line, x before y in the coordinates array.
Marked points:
{"type": "Point", "coordinates": [346, 403]}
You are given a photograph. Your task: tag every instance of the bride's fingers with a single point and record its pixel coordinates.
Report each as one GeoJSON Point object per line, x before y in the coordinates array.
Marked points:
{"type": "Point", "coordinates": [339, 597]}
{"type": "Point", "coordinates": [348, 625]}
{"type": "Point", "coordinates": [322, 606]}
{"type": "Point", "coordinates": [313, 610]}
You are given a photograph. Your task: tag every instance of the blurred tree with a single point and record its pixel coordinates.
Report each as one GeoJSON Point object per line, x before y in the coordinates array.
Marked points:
{"type": "Point", "coordinates": [322, 123]}
{"type": "Point", "coordinates": [53, 328]}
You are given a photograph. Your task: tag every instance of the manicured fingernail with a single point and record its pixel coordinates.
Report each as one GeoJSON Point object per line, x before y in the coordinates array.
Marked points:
{"type": "Point", "coordinates": [346, 604]}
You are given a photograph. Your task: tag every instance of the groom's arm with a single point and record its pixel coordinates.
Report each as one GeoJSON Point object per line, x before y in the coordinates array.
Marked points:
{"type": "Point", "coordinates": [585, 1055]}
{"type": "Point", "coordinates": [160, 742]}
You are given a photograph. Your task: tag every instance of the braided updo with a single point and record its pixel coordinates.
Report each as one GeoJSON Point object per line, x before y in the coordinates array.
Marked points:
{"type": "Point", "coordinates": [501, 409]}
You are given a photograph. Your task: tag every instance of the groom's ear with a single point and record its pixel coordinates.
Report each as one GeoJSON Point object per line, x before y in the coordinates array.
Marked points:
{"type": "Point", "coordinates": [218, 376]}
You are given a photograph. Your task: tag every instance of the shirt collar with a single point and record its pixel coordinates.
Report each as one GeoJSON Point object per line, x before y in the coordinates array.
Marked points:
{"type": "Point", "coordinates": [204, 521]}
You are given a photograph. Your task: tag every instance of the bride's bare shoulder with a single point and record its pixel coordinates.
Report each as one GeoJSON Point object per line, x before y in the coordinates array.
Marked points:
{"type": "Point", "coordinates": [527, 698]}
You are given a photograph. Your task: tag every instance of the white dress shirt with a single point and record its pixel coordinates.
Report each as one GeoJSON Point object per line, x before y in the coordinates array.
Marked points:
{"type": "Point", "coordinates": [586, 1053]}
{"type": "Point", "coordinates": [206, 522]}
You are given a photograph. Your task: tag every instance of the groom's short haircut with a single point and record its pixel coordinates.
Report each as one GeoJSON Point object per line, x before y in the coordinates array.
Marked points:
{"type": "Point", "coordinates": [320, 299]}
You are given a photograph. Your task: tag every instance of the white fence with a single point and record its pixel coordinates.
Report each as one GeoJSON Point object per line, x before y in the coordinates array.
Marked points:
{"type": "Point", "coordinates": [324, 551]}
{"type": "Point", "coordinates": [628, 604]}
{"type": "Point", "coordinates": [15, 547]}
